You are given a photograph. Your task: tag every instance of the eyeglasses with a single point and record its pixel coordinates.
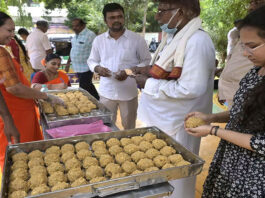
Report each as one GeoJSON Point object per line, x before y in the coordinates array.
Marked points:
{"type": "Point", "coordinates": [162, 12]}
{"type": "Point", "coordinates": [251, 50]}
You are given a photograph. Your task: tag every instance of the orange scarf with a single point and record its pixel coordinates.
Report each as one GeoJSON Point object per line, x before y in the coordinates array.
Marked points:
{"type": "Point", "coordinates": [62, 78]}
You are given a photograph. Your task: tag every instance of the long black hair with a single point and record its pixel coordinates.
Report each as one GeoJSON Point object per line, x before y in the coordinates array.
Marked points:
{"type": "Point", "coordinates": [22, 47]}
{"type": "Point", "coordinates": [3, 18]}
{"type": "Point", "coordinates": [255, 101]}
{"type": "Point", "coordinates": [254, 107]}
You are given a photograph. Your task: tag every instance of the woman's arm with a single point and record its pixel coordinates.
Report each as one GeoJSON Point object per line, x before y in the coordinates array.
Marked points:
{"type": "Point", "coordinates": [237, 138]}
{"type": "Point", "coordinates": [58, 86]}
{"type": "Point", "coordinates": [23, 91]}
{"type": "Point", "coordinates": [12, 84]}
{"type": "Point", "coordinates": [38, 80]}
{"type": "Point", "coordinates": [36, 86]}
{"type": "Point", "coordinates": [10, 129]}
{"type": "Point", "coordinates": [222, 117]}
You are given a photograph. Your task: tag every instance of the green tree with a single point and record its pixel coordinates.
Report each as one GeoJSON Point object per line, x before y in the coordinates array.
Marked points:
{"type": "Point", "coordinates": [51, 4]}
{"type": "Point", "coordinates": [218, 18]}
{"type": "Point", "coordinates": [23, 19]}
{"type": "Point", "coordinates": [91, 12]}
{"type": "Point", "coordinates": [3, 6]}
{"type": "Point", "coordinates": [151, 23]}
{"type": "Point", "coordinates": [87, 12]}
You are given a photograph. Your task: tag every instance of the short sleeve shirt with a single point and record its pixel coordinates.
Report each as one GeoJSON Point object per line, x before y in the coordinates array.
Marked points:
{"type": "Point", "coordinates": [81, 47]}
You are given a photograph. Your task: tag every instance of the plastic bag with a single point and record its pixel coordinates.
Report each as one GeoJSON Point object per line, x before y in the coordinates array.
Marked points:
{"type": "Point", "coordinates": [74, 130]}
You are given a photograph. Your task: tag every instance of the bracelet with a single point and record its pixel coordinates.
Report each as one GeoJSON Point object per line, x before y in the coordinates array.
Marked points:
{"type": "Point", "coordinates": [211, 130]}
{"type": "Point", "coordinates": [215, 130]}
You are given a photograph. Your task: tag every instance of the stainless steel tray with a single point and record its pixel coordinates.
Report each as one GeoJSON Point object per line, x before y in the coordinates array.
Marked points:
{"type": "Point", "coordinates": [154, 191]}
{"type": "Point", "coordinates": [47, 136]}
{"type": "Point", "coordinates": [101, 113]}
{"type": "Point", "coordinates": [115, 185]}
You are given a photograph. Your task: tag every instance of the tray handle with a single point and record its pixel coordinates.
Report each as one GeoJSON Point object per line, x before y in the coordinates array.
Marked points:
{"type": "Point", "coordinates": [116, 188]}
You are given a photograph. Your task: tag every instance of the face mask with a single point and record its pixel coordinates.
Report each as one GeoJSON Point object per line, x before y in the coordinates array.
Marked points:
{"type": "Point", "coordinates": [165, 28]}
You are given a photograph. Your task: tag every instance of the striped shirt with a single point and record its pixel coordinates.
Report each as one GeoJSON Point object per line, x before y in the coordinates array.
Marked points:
{"type": "Point", "coordinates": [81, 47]}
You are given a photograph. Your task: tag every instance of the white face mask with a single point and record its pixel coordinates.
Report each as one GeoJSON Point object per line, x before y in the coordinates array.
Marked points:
{"type": "Point", "coordinates": [168, 30]}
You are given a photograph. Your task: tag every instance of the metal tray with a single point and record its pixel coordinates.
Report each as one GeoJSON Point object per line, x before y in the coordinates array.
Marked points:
{"type": "Point", "coordinates": [101, 113]}
{"type": "Point", "coordinates": [111, 186]}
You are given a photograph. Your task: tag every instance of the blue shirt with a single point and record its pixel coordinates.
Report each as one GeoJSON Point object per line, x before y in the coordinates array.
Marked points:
{"type": "Point", "coordinates": [81, 47]}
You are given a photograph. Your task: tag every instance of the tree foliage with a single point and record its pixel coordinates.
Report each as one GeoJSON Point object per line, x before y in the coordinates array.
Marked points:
{"type": "Point", "coordinates": [218, 18]}
{"type": "Point", "coordinates": [3, 6]}
{"type": "Point", "coordinates": [91, 12]}
{"type": "Point", "coordinates": [23, 19]}
{"type": "Point", "coordinates": [218, 15]}
{"type": "Point", "coordinates": [51, 4]}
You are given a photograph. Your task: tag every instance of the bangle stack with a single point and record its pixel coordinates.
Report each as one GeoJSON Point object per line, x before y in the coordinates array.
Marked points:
{"type": "Point", "coordinates": [215, 130]}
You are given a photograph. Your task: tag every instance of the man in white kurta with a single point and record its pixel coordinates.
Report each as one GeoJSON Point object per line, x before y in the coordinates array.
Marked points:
{"type": "Point", "coordinates": [38, 45]}
{"type": "Point", "coordinates": [165, 103]}
{"type": "Point", "coordinates": [113, 52]}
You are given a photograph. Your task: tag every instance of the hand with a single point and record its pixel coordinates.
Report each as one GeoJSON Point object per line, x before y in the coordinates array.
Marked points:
{"type": "Point", "coordinates": [102, 71]}
{"type": "Point", "coordinates": [59, 86]}
{"type": "Point", "coordinates": [10, 130]}
{"type": "Point", "coordinates": [207, 118]}
{"type": "Point", "coordinates": [55, 100]}
{"type": "Point", "coordinates": [67, 67]}
{"type": "Point", "coordinates": [200, 131]}
{"type": "Point", "coordinates": [141, 70]}
{"type": "Point", "coordinates": [141, 80]}
{"type": "Point", "coordinates": [121, 75]}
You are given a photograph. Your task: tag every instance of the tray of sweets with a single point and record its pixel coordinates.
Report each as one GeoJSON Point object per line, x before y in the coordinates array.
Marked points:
{"type": "Point", "coordinates": [134, 175]}
{"type": "Point", "coordinates": [83, 115]}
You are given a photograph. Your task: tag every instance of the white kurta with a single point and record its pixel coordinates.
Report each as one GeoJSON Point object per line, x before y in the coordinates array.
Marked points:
{"type": "Point", "coordinates": [37, 43]}
{"type": "Point", "coordinates": [165, 103]}
{"type": "Point", "coordinates": [235, 69]}
{"type": "Point", "coordinates": [232, 39]}
{"type": "Point", "coordinates": [128, 51]}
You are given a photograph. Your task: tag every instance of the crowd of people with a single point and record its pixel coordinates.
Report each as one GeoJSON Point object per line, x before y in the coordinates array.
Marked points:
{"type": "Point", "coordinates": [176, 83]}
